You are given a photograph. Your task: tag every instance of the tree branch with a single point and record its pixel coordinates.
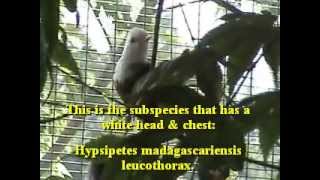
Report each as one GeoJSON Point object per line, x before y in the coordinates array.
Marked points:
{"type": "Point", "coordinates": [186, 21]}
{"type": "Point", "coordinates": [92, 88]}
{"type": "Point", "coordinates": [156, 33]}
{"type": "Point", "coordinates": [104, 31]}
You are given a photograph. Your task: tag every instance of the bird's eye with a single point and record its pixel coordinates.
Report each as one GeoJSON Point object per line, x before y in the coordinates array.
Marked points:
{"type": "Point", "coordinates": [132, 40]}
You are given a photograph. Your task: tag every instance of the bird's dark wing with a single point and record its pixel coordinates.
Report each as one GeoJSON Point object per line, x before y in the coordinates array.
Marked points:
{"type": "Point", "coordinates": [137, 70]}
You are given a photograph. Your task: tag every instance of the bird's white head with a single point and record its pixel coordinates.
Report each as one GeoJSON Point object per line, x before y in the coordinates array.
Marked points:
{"type": "Point", "coordinates": [136, 45]}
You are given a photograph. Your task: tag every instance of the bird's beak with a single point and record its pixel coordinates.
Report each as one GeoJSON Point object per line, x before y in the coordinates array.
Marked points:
{"type": "Point", "coordinates": [148, 38]}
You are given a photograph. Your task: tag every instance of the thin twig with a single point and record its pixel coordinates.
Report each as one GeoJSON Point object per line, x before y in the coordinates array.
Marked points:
{"type": "Point", "coordinates": [156, 33]}
{"type": "Point", "coordinates": [186, 21]}
{"type": "Point", "coordinates": [229, 99]}
{"type": "Point", "coordinates": [192, 175]}
{"type": "Point", "coordinates": [47, 120]}
{"type": "Point", "coordinates": [104, 31]}
{"type": "Point", "coordinates": [193, 172]}
{"type": "Point", "coordinates": [80, 81]}
{"type": "Point", "coordinates": [92, 88]}
{"type": "Point", "coordinates": [52, 80]}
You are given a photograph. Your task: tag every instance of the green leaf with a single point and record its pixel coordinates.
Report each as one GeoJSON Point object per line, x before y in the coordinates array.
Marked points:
{"type": "Point", "coordinates": [249, 17]}
{"type": "Point", "coordinates": [265, 116]}
{"type": "Point", "coordinates": [49, 14]}
{"type": "Point", "coordinates": [43, 58]}
{"type": "Point", "coordinates": [272, 54]}
{"type": "Point", "coordinates": [209, 80]}
{"type": "Point", "coordinates": [239, 38]}
{"type": "Point", "coordinates": [240, 59]}
{"type": "Point", "coordinates": [43, 75]}
{"type": "Point", "coordinates": [225, 38]}
{"type": "Point", "coordinates": [229, 36]}
{"type": "Point", "coordinates": [230, 16]}
{"type": "Point", "coordinates": [45, 64]}
{"type": "Point", "coordinates": [173, 74]}
{"type": "Point", "coordinates": [269, 131]}
{"type": "Point", "coordinates": [63, 57]}
{"type": "Point", "coordinates": [52, 79]}
{"type": "Point", "coordinates": [64, 37]}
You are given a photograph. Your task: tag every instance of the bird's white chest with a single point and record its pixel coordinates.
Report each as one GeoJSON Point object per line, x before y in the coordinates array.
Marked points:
{"type": "Point", "coordinates": [121, 70]}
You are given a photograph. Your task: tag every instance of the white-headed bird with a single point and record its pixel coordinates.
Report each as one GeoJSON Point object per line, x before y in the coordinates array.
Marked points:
{"type": "Point", "coordinates": [133, 63]}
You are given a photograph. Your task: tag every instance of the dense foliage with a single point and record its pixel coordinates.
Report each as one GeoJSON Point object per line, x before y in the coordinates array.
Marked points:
{"type": "Point", "coordinates": [238, 43]}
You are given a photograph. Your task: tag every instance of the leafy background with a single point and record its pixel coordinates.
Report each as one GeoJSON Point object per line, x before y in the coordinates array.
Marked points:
{"type": "Point", "coordinates": [78, 50]}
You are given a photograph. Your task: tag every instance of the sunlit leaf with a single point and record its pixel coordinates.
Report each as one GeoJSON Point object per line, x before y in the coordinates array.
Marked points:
{"type": "Point", "coordinates": [59, 172]}
{"type": "Point", "coordinates": [64, 170]}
